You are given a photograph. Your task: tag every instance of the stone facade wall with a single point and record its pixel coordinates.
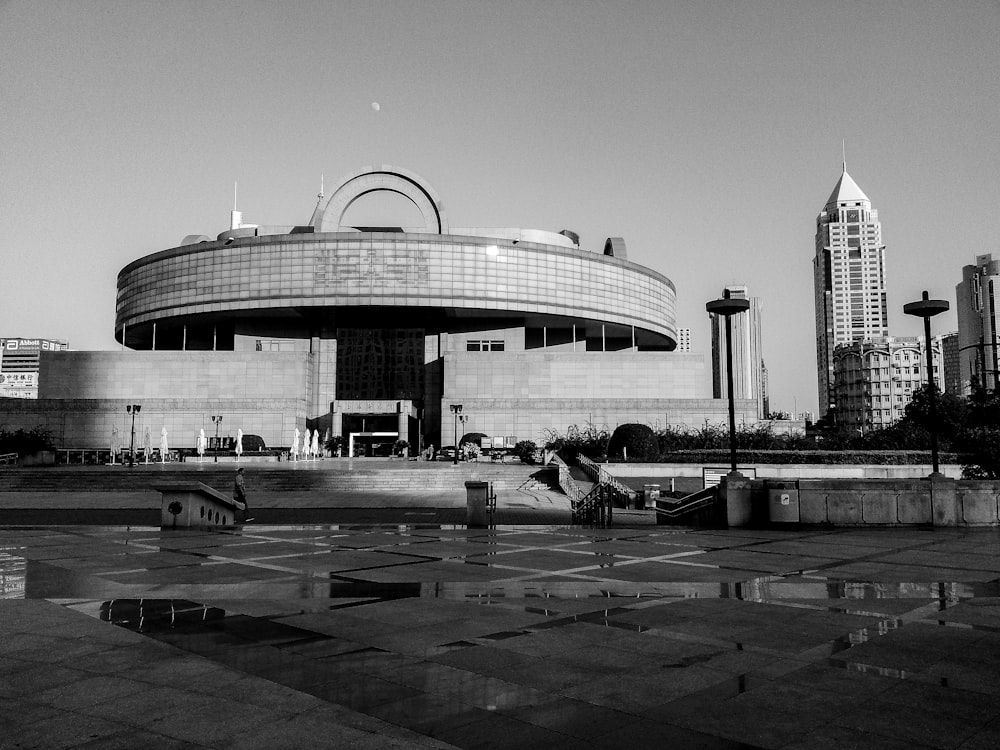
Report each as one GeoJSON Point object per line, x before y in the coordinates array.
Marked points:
{"type": "Point", "coordinates": [528, 393]}
{"type": "Point", "coordinates": [83, 396]}
{"type": "Point", "coordinates": [205, 376]}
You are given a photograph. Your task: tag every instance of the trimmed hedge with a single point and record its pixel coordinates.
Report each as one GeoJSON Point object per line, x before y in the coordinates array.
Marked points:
{"type": "Point", "coordinates": [635, 441]}
{"type": "Point", "coordinates": [877, 458]}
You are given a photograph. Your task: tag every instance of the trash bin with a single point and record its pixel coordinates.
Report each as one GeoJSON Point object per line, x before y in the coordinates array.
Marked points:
{"type": "Point", "coordinates": [476, 500]}
{"type": "Point", "coordinates": [783, 502]}
{"type": "Point", "coordinates": [650, 494]}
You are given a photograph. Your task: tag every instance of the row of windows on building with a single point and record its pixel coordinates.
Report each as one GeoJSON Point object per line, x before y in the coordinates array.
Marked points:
{"type": "Point", "coordinates": [484, 346]}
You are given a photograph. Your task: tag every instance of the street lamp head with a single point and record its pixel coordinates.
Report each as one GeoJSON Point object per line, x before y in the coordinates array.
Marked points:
{"type": "Point", "coordinates": [456, 408]}
{"type": "Point", "coordinates": [727, 306]}
{"type": "Point", "coordinates": [926, 308]}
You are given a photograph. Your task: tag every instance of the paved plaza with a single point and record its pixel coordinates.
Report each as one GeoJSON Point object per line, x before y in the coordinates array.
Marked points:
{"type": "Point", "coordinates": [273, 636]}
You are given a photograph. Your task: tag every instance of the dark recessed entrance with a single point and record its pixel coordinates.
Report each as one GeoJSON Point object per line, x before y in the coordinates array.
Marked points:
{"type": "Point", "coordinates": [370, 434]}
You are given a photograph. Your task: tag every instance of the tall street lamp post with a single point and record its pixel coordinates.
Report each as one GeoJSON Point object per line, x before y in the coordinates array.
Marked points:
{"type": "Point", "coordinates": [132, 409]}
{"type": "Point", "coordinates": [927, 308]}
{"type": "Point", "coordinates": [727, 307]}
{"type": "Point", "coordinates": [217, 421]}
{"type": "Point", "coordinates": [456, 409]}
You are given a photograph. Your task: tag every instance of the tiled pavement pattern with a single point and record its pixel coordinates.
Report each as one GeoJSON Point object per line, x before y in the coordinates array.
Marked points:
{"type": "Point", "coordinates": [401, 636]}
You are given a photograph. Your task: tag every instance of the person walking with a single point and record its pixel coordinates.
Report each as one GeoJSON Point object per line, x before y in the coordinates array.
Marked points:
{"type": "Point", "coordinates": [240, 494]}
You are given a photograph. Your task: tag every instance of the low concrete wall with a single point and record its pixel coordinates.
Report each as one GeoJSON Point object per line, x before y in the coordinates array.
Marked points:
{"type": "Point", "coordinates": [940, 501]}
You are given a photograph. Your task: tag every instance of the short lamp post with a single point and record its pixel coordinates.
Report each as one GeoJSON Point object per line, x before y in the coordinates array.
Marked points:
{"type": "Point", "coordinates": [456, 409]}
{"type": "Point", "coordinates": [927, 308]}
{"type": "Point", "coordinates": [132, 409]}
{"type": "Point", "coordinates": [727, 307]}
{"type": "Point", "coordinates": [463, 419]}
{"type": "Point", "coordinates": [217, 421]}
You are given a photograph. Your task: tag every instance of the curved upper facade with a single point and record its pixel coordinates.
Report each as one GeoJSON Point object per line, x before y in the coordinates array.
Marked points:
{"type": "Point", "coordinates": [326, 273]}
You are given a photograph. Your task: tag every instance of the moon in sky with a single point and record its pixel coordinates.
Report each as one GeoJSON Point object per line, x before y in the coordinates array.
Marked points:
{"type": "Point", "coordinates": [376, 106]}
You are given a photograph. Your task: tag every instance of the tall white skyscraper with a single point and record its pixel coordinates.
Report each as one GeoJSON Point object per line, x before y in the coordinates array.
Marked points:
{"type": "Point", "coordinates": [749, 373]}
{"type": "Point", "coordinates": [979, 323]}
{"type": "Point", "coordinates": [849, 279]}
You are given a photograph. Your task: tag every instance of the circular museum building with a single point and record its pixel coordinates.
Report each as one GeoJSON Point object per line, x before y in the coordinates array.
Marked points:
{"type": "Point", "coordinates": [378, 333]}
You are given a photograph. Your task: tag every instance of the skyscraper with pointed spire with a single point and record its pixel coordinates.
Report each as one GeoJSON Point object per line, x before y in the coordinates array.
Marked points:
{"type": "Point", "coordinates": [849, 279]}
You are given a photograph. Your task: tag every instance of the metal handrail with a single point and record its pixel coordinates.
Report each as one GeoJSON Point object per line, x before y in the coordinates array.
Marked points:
{"type": "Point", "coordinates": [8, 458]}
{"type": "Point", "coordinates": [593, 508]}
{"type": "Point", "coordinates": [603, 476]}
{"type": "Point", "coordinates": [569, 486]}
{"type": "Point", "coordinates": [680, 506]}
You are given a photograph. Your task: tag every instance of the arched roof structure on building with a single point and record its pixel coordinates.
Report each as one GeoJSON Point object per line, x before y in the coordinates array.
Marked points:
{"type": "Point", "coordinates": [329, 217]}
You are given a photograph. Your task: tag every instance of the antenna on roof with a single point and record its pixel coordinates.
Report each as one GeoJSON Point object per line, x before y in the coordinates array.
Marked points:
{"type": "Point", "coordinates": [236, 217]}
{"type": "Point", "coordinates": [320, 196]}
{"type": "Point", "coordinates": [843, 148]}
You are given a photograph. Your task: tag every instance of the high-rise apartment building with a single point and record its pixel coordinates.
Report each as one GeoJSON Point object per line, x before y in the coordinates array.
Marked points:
{"type": "Point", "coordinates": [749, 374]}
{"type": "Point", "coordinates": [950, 361]}
{"type": "Point", "coordinates": [849, 279]}
{"type": "Point", "coordinates": [874, 379]}
{"type": "Point", "coordinates": [979, 323]}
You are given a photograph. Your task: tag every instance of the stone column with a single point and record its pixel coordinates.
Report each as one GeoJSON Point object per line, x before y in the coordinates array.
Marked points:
{"type": "Point", "coordinates": [945, 510]}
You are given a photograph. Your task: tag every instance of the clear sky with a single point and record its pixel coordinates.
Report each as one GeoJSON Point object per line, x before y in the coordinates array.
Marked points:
{"type": "Point", "coordinates": [707, 134]}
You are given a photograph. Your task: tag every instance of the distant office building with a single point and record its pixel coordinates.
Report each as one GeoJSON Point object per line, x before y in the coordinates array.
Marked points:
{"type": "Point", "coordinates": [749, 378]}
{"type": "Point", "coordinates": [950, 361]}
{"type": "Point", "coordinates": [19, 365]}
{"type": "Point", "coordinates": [979, 324]}
{"type": "Point", "coordinates": [683, 340]}
{"type": "Point", "coordinates": [875, 379]}
{"type": "Point", "coordinates": [765, 389]}
{"type": "Point", "coordinates": [849, 279]}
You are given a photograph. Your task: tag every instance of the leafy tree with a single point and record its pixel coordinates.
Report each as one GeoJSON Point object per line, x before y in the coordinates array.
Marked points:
{"type": "Point", "coordinates": [952, 412]}
{"type": "Point", "coordinates": [984, 407]}
{"type": "Point", "coordinates": [25, 442]}
{"type": "Point", "coordinates": [334, 444]}
{"type": "Point", "coordinates": [982, 453]}
{"type": "Point", "coordinates": [525, 450]}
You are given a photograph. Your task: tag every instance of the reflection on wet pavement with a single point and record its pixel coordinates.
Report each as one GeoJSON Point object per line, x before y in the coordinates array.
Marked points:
{"type": "Point", "coordinates": [528, 637]}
